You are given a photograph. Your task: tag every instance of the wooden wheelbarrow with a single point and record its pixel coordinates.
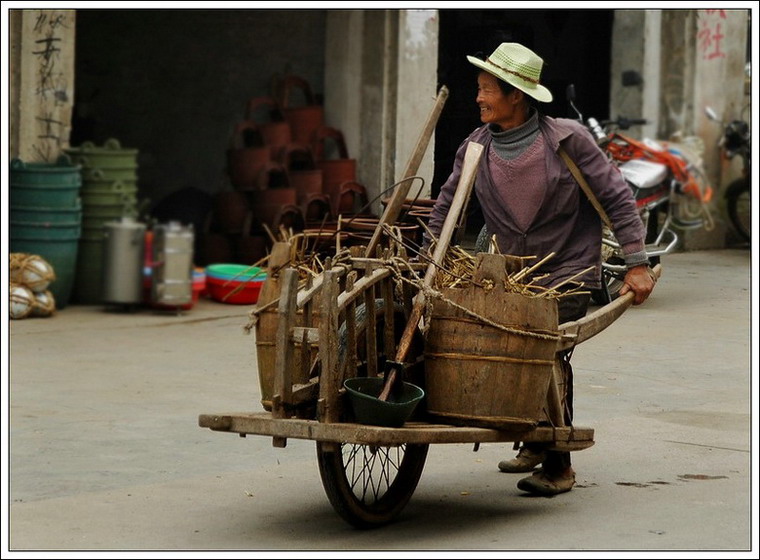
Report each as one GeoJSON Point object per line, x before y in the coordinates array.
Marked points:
{"type": "Point", "coordinates": [347, 323]}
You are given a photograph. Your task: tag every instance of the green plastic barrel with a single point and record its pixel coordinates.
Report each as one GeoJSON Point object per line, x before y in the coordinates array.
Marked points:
{"type": "Point", "coordinates": [45, 184]}
{"type": "Point", "coordinates": [93, 175]}
{"type": "Point", "coordinates": [56, 243]}
{"type": "Point", "coordinates": [46, 231]}
{"type": "Point", "coordinates": [115, 192]}
{"type": "Point", "coordinates": [110, 211]}
{"type": "Point", "coordinates": [97, 222]}
{"type": "Point", "coordinates": [45, 215]}
{"type": "Point", "coordinates": [109, 156]}
{"type": "Point", "coordinates": [88, 288]}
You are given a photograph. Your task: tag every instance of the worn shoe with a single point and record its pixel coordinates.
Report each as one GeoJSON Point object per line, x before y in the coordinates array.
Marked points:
{"type": "Point", "coordinates": [526, 461]}
{"type": "Point", "coordinates": [541, 484]}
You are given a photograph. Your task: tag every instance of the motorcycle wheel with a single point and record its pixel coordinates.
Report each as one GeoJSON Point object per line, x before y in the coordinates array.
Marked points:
{"type": "Point", "coordinates": [738, 203]}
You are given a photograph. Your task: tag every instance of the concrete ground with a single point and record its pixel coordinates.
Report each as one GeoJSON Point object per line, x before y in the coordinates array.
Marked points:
{"type": "Point", "coordinates": [106, 454]}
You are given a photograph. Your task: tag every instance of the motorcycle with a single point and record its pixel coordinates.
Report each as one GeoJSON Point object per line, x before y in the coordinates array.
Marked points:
{"type": "Point", "coordinates": [735, 141]}
{"type": "Point", "coordinates": [668, 184]}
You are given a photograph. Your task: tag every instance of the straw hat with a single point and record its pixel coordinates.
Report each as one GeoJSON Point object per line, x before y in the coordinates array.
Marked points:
{"type": "Point", "coordinates": [518, 66]}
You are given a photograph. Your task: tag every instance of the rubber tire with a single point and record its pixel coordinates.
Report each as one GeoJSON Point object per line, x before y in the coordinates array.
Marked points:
{"type": "Point", "coordinates": [735, 191]}
{"type": "Point", "coordinates": [389, 491]}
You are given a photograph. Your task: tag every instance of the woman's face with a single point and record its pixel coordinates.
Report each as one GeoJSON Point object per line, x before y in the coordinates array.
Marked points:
{"type": "Point", "coordinates": [495, 107]}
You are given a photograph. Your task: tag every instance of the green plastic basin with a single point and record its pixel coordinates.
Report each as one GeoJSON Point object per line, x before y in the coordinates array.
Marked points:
{"type": "Point", "coordinates": [363, 395]}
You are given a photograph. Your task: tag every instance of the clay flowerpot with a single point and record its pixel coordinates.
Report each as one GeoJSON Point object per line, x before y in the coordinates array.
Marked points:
{"type": "Point", "coordinates": [289, 217]}
{"type": "Point", "coordinates": [274, 196]}
{"type": "Point", "coordinates": [307, 183]}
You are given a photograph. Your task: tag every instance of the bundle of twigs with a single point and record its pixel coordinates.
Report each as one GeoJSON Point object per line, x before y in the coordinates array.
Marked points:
{"type": "Point", "coordinates": [459, 267]}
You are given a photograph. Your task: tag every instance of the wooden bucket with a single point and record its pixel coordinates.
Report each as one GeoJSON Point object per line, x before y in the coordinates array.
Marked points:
{"type": "Point", "coordinates": [275, 130]}
{"type": "Point", "coordinates": [304, 120]}
{"type": "Point", "coordinates": [479, 375]}
{"type": "Point", "coordinates": [247, 156]}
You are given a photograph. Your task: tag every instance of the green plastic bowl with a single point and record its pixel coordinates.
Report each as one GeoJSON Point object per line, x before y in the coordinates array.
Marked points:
{"type": "Point", "coordinates": [239, 272]}
{"type": "Point", "coordinates": [368, 409]}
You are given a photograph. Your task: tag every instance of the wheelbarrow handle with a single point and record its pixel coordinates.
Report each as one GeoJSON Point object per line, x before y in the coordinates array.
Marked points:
{"type": "Point", "coordinates": [573, 333]}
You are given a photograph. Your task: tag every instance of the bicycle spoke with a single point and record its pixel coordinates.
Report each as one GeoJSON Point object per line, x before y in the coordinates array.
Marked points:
{"type": "Point", "coordinates": [371, 470]}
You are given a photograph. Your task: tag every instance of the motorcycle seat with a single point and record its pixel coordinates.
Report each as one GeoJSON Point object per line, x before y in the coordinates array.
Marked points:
{"type": "Point", "coordinates": [644, 174]}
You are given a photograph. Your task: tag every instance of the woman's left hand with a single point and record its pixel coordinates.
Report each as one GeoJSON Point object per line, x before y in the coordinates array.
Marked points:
{"type": "Point", "coordinates": [640, 280]}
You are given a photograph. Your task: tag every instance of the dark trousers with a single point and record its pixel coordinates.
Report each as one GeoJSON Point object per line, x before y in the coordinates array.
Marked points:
{"type": "Point", "coordinates": [571, 308]}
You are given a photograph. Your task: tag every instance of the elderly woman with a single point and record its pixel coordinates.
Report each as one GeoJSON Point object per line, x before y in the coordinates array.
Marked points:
{"type": "Point", "coordinates": [534, 207]}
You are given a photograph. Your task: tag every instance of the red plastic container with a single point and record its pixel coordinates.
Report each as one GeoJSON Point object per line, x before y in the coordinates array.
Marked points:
{"type": "Point", "coordinates": [234, 291]}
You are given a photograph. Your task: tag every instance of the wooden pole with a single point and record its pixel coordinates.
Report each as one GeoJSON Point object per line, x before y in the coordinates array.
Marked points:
{"type": "Point", "coordinates": [466, 179]}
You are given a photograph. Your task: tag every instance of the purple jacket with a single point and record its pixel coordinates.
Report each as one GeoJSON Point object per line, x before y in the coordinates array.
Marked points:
{"type": "Point", "coordinates": [566, 223]}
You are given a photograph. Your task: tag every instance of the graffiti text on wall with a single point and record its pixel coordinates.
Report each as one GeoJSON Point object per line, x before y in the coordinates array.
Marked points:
{"type": "Point", "coordinates": [710, 34]}
{"type": "Point", "coordinates": [51, 84]}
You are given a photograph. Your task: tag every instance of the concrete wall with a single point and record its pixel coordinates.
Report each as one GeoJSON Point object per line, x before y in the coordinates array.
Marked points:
{"type": "Point", "coordinates": [42, 82]}
{"type": "Point", "coordinates": [344, 48]}
{"type": "Point", "coordinates": [720, 79]}
{"type": "Point", "coordinates": [380, 85]}
{"type": "Point", "coordinates": [416, 93]}
{"type": "Point", "coordinates": [173, 83]}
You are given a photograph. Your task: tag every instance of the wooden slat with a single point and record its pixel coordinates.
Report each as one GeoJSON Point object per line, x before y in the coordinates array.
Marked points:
{"type": "Point", "coordinates": [306, 295]}
{"type": "Point", "coordinates": [284, 359]}
{"type": "Point", "coordinates": [412, 432]}
{"type": "Point", "coordinates": [389, 332]}
{"type": "Point", "coordinates": [311, 334]}
{"type": "Point", "coordinates": [351, 359]}
{"type": "Point", "coordinates": [328, 349]}
{"type": "Point", "coordinates": [373, 276]}
{"type": "Point", "coordinates": [466, 180]}
{"type": "Point", "coordinates": [308, 305]}
{"type": "Point", "coordinates": [305, 392]}
{"type": "Point", "coordinates": [370, 331]}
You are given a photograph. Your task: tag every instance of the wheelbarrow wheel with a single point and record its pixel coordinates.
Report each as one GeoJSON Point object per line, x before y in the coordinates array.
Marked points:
{"type": "Point", "coordinates": [369, 486]}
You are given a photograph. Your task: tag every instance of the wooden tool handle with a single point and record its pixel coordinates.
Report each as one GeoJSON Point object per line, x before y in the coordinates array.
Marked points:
{"type": "Point", "coordinates": [461, 196]}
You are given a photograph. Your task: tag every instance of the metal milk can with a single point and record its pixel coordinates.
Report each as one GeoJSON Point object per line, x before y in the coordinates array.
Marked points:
{"type": "Point", "coordinates": [123, 255]}
{"type": "Point", "coordinates": [172, 276]}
